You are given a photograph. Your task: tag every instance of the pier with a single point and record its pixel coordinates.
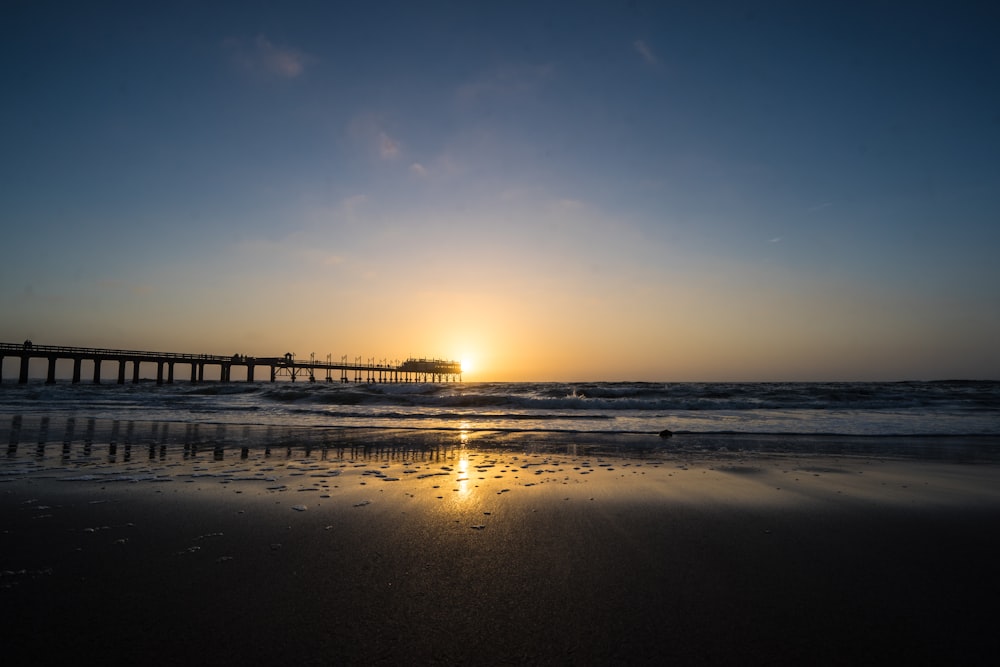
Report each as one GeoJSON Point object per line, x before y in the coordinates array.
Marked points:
{"type": "Point", "coordinates": [285, 366]}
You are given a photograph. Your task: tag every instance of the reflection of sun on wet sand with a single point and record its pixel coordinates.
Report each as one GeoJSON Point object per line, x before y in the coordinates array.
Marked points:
{"type": "Point", "coordinates": [465, 555]}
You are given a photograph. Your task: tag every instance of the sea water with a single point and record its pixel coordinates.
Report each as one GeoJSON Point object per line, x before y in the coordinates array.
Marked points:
{"type": "Point", "coordinates": [884, 417]}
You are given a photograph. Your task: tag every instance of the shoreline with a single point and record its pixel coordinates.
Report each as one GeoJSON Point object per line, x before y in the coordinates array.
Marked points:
{"type": "Point", "coordinates": [296, 554]}
{"type": "Point", "coordinates": [23, 431]}
{"type": "Point", "coordinates": [595, 411]}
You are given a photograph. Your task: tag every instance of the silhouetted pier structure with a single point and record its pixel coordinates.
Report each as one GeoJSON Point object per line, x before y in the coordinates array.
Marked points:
{"type": "Point", "coordinates": [411, 370]}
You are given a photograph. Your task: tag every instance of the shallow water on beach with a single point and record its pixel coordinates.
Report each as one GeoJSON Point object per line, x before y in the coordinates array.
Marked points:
{"type": "Point", "coordinates": [67, 437]}
{"type": "Point", "coordinates": [307, 468]}
{"type": "Point", "coordinates": [870, 409]}
{"type": "Point", "coordinates": [937, 421]}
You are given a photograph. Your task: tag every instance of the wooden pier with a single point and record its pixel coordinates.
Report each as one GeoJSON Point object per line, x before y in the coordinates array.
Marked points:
{"type": "Point", "coordinates": [285, 366]}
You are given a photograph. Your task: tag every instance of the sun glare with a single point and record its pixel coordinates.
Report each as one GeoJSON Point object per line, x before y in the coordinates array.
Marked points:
{"type": "Point", "coordinates": [466, 365]}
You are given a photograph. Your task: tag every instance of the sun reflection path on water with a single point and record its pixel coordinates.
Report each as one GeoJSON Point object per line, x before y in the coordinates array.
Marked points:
{"type": "Point", "coordinates": [463, 463]}
{"type": "Point", "coordinates": [476, 475]}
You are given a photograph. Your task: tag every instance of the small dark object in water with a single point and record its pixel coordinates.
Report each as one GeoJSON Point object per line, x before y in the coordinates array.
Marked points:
{"type": "Point", "coordinates": [666, 433]}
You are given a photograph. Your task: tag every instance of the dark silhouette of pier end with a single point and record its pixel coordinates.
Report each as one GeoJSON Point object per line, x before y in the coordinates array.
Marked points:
{"type": "Point", "coordinates": [284, 366]}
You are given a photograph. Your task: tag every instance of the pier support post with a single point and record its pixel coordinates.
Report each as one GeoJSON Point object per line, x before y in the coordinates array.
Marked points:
{"type": "Point", "coordinates": [135, 371]}
{"type": "Point", "coordinates": [201, 372]}
{"type": "Point", "coordinates": [50, 377]}
{"type": "Point", "coordinates": [249, 372]}
{"type": "Point", "coordinates": [97, 370]}
{"type": "Point", "coordinates": [170, 372]}
{"type": "Point", "coordinates": [224, 372]}
{"type": "Point", "coordinates": [121, 371]}
{"type": "Point", "coordinates": [76, 370]}
{"type": "Point", "coordinates": [159, 372]}
{"type": "Point", "coordinates": [274, 373]}
{"type": "Point", "coordinates": [194, 372]}
{"type": "Point", "coordinates": [22, 377]}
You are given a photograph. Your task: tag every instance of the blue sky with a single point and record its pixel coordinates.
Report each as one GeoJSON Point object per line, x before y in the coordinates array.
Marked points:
{"type": "Point", "coordinates": [562, 190]}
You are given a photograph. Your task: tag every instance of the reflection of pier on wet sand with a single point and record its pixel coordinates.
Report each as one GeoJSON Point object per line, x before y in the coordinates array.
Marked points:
{"type": "Point", "coordinates": [89, 439]}
{"type": "Point", "coordinates": [285, 366]}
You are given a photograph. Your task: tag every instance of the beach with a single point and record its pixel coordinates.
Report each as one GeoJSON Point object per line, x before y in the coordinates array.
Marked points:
{"type": "Point", "coordinates": [467, 553]}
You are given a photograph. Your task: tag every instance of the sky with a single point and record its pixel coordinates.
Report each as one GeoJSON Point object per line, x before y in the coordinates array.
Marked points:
{"type": "Point", "coordinates": [703, 191]}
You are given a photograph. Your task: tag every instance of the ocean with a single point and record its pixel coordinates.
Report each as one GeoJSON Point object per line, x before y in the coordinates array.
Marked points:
{"type": "Point", "coordinates": [489, 523]}
{"type": "Point", "coordinates": [956, 419]}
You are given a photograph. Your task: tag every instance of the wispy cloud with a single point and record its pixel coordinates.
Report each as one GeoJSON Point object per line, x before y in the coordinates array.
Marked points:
{"type": "Point", "coordinates": [503, 82]}
{"type": "Point", "coordinates": [439, 168]}
{"type": "Point", "coordinates": [776, 239]}
{"type": "Point", "coordinates": [263, 58]}
{"type": "Point", "coordinates": [352, 211]}
{"type": "Point", "coordinates": [566, 206]}
{"type": "Point", "coordinates": [326, 235]}
{"type": "Point", "coordinates": [645, 51]}
{"type": "Point", "coordinates": [369, 130]}
{"type": "Point", "coordinates": [388, 147]}
{"type": "Point", "coordinates": [349, 208]}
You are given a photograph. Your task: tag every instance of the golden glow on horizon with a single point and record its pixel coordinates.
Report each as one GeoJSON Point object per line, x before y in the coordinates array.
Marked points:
{"type": "Point", "coordinates": [467, 365]}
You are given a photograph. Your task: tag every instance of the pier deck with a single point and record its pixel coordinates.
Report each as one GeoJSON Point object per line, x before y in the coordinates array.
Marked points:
{"type": "Point", "coordinates": [284, 366]}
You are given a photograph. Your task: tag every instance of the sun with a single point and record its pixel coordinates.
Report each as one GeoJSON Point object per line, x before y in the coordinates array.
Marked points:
{"type": "Point", "coordinates": [467, 365]}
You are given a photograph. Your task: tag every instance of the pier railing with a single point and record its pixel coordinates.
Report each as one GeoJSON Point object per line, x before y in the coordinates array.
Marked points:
{"type": "Point", "coordinates": [44, 350]}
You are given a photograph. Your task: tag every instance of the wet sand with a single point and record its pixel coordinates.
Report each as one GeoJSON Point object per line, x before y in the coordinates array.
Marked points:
{"type": "Point", "coordinates": [169, 555]}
